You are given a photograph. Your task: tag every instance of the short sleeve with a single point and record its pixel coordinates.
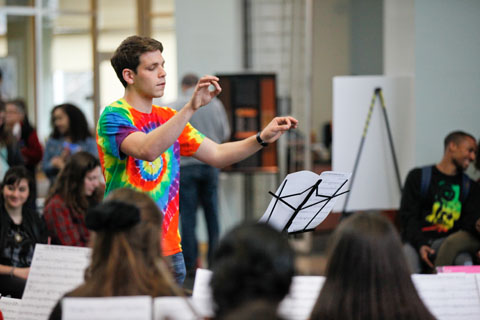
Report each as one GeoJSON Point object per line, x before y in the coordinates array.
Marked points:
{"type": "Point", "coordinates": [190, 140]}
{"type": "Point", "coordinates": [114, 125]}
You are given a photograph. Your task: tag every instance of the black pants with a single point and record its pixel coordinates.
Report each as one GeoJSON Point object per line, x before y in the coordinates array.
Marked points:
{"type": "Point", "coordinates": [11, 286]}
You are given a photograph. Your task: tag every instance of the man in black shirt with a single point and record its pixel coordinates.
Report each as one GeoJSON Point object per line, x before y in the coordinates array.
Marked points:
{"type": "Point", "coordinates": [438, 201]}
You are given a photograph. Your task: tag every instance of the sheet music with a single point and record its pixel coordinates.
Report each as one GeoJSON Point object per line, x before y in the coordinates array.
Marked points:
{"type": "Point", "coordinates": [175, 308]}
{"type": "Point", "coordinates": [9, 307]}
{"type": "Point", "coordinates": [107, 308]}
{"type": "Point", "coordinates": [55, 270]}
{"type": "Point", "coordinates": [294, 189]}
{"type": "Point", "coordinates": [451, 296]}
{"type": "Point", "coordinates": [299, 302]}
{"type": "Point", "coordinates": [202, 293]}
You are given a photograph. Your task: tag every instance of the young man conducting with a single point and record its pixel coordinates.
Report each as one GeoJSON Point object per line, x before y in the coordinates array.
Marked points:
{"type": "Point", "coordinates": [140, 144]}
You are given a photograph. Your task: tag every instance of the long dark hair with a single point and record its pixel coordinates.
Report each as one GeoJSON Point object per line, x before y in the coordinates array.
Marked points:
{"type": "Point", "coordinates": [253, 261]}
{"type": "Point", "coordinates": [367, 274]}
{"type": "Point", "coordinates": [70, 182]}
{"type": "Point", "coordinates": [128, 260]}
{"type": "Point", "coordinates": [78, 125]}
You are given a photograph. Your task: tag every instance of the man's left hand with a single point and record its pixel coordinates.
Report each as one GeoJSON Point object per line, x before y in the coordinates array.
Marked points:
{"type": "Point", "coordinates": [277, 127]}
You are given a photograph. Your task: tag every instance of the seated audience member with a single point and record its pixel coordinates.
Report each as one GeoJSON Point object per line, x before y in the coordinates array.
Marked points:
{"type": "Point", "coordinates": [367, 277]}
{"type": "Point", "coordinates": [252, 262]}
{"type": "Point", "coordinates": [9, 152]}
{"type": "Point", "coordinates": [437, 201]}
{"type": "Point", "coordinates": [20, 229]}
{"type": "Point", "coordinates": [467, 240]}
{"type": "Point", "coordinates": [26, 137]}
{"type": "Point", "coordinates": [126, 258]}
{"type": "Point", "coordinates": [76, 189]}
{"type": "Point", "coordinates": [70, 135]}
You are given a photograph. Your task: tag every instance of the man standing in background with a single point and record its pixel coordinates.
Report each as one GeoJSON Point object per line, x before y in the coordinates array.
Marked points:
{"type": "Point", "coordinates": [199, 181]}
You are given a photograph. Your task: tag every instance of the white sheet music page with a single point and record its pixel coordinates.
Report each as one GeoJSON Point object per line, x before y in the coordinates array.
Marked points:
{"type": "Point", "coordinates": [55, 270]}
{"type": "Point", "coordinates": [294, 189]}
{"type": "Point", "coordinates": [176, 308]}
{"type": "Point", "coordinates": [451, 296]}
{"type": "Point", "coordinates": [202, 293]}
{"type": "Point", "coordinates": [107, 308]}
{"type": "Point", "coordinates": [9, 308]}
{"type": "Point", "coordinates": [299, 302]}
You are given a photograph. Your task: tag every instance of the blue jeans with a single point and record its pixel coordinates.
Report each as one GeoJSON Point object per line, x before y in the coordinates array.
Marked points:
{"type": "Point", "coordinates": [198, 185]}
{"type": "Point", "coordinates": [178, 266]}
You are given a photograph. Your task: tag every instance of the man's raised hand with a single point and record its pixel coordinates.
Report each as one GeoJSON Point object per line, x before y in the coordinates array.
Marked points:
{"type": "Point", "coordinates": [202, 94]}
{"type": "Point", "coordinates": [277, 127]}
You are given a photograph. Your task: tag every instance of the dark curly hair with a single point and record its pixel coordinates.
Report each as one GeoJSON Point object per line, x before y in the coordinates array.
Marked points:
{"type": "Point", "coordinates": [252, 262]}
{"type": "Point", "coordinates": [78, 125]}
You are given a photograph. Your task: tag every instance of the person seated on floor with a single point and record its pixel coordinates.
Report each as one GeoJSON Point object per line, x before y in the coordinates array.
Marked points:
{"type": "Point", "coordinates": [126, 250]}
{"type": "Point", "coordinates": [76, 189]}
{"type": "Point", "coordinates": [252, 262]}
{"type": "Point", "coordinates": [20, 229]}
{"type": "Point", "coordinates": [367, 276]}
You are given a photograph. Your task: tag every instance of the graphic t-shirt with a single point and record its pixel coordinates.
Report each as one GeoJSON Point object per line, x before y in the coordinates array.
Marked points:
{"type": "Point", "coordinates": [159, 178]}
{"type": "Point", "coordinates": [438, 213]}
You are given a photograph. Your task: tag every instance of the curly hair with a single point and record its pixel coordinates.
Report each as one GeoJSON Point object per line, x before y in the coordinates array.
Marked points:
{"type": "Point", "coordinates": [252, 262]}
{"type": "Point", "coordinates": [78, 125]}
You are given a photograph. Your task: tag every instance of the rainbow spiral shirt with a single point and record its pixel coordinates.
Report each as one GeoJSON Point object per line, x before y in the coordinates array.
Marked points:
{"type": "Point", "coordinates": [160, 178]}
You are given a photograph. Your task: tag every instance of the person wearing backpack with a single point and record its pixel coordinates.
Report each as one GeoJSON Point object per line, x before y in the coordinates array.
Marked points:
{"type": "Point", "coordinates": [437, 202]}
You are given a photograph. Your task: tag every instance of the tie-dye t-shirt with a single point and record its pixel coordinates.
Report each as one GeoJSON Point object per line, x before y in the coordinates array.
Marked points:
{"type": "Point", "coordinates": [160, 178]}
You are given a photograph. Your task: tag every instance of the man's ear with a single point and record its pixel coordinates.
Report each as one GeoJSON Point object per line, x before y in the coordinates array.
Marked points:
{"type": "Point", "coordinates": [128, 76]}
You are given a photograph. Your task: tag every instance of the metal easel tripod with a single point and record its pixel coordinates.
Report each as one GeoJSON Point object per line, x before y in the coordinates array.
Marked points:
{"type": "Point", "coordinates": [377, 93]}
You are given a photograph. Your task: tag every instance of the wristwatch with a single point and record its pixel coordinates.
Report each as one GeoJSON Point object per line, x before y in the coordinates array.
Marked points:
{"type": "Point", "coordinates": [262, 143]}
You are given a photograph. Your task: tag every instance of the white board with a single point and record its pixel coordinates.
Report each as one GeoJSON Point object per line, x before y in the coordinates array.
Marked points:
{"type": "Point", "coordinates": [375, 185]}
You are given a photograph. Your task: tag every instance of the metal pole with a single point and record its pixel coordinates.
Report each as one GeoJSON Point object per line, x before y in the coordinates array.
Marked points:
{"type": "Point", "coordinates": [378, 91]}
{"type": "Point", "coordinates": [360, 148]}
{"type": "Point", "coordinates": [308, 83]}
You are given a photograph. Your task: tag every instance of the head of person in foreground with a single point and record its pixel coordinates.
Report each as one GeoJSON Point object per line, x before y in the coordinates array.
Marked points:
{"type": "Point", "coordinates": [126, 257]}
{"type": "Point", "coordinates": [252, 262]}
{"type": "Point", "coordinates": [367, 276]}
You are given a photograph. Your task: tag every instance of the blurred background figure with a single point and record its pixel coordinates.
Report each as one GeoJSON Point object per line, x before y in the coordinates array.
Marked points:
{"type": "Point", "coordinates": [253, 262]}
{"type": "Point", "coordinates": [9, 152]}
{"type": "Point", "coordinates": [199, 181]}
{"type": "Point", "coordinates": [367, 275]}
{"type": "Point", "coordinates": [76, 189]}
{"type": "Point", "coordinates": [70, 135]}
{"type": "Point", "coordinates": [20, 229]}
{"type": "Point", "coordinates": [26, 137]}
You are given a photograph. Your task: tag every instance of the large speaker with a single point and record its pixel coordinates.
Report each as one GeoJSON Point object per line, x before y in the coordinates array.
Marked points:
{"type": "Point", "coordinates": [250, 103]}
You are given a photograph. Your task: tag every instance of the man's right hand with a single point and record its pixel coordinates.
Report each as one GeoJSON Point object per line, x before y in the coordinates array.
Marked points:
{"type": "Point", "coordinates": [202, 94]}
{"type": "Point", "coordinates": [425, 251]}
